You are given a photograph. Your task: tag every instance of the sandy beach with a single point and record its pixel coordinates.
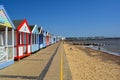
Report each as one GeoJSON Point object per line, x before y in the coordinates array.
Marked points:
{"type": "Point", "coordinates": [88, 64]}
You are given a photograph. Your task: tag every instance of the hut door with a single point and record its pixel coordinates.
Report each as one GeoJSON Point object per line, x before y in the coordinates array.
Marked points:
{"type": "Point", "coordinates": [2, 48]}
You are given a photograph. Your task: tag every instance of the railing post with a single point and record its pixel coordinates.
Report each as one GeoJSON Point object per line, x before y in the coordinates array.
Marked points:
{"type": "Point", "coordinates": [6, 42]}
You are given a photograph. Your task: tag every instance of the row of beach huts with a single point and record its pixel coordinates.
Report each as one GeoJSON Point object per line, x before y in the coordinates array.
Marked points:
{"type": "Point", "coordinates": [18, 39]}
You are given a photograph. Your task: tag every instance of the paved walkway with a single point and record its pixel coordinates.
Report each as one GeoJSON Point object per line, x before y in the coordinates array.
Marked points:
{"type": "Point", "coordinates": [47, 64]}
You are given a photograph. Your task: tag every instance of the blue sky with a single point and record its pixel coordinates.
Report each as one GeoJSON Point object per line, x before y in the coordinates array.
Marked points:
{"type": "Point", "coordinates": [69, 17]}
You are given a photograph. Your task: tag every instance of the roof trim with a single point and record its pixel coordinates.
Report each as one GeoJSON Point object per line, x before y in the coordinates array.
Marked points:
{"type": "Point", "coordinates": [9, 20]}
{"type": "Point", "coordinates": [21, 25]}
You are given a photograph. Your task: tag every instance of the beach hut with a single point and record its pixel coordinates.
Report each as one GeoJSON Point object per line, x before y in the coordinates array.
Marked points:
{"type": "Point", "coordinates": [53, 39]}
{"type": "Point", "coordinates": [35, 37]}
{"type": "Point", "coordinates": [50, 36]}
{"type": "Point", "coordinates": [44, 38]}
{"type": "Point", "coordinates": [6, 39]}
{"type": "Point", "coordinates": [22, 39]}
{"type": "Point", "coordinates": [57, 38]}
{"type": "Point", "coordinates": [41, 36]}
{"type": "Point", "coordinates": [47, 39]}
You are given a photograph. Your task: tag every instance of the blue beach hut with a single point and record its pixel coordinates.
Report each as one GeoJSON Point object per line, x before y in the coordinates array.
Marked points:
{"type": "Point", "coordinates": [35, 37]}
{"type": "Point", "coordinates": [44, 39]}
{"type": "Point", "coordinates": [41, 36]}
{"type": "Point", "coordinates": [6, 39]}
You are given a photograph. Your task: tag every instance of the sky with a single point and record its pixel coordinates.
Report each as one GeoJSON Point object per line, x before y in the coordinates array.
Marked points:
{"type": "Point", "coordinates": [69, 18]}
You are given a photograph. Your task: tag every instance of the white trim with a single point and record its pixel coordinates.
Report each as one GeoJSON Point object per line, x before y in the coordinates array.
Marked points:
{"type": "Point", "coordinates": [6, 42]}
{"type": "Point", "coordinates": [24, 28]}
{"type": "Point", "coordinates": [13, 42]}
{"type": "Point", "coordinates": [34, 28]}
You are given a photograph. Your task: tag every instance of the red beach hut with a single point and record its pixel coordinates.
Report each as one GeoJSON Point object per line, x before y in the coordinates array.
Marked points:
{"type": "Point", "coordinates": [22, 39]}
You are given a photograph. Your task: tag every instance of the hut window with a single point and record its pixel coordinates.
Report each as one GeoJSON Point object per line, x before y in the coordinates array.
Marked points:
{"type": "Point", "coordinates": [15, 38]}
{"type": "Point", "coordinates": [35, 38]}
{"type": "Point", "coordinates": [29, 38]}
{"type": "Point", "coordinates": [25, 38]}
{"type": "Point", "coordinates": [32, 38]}
{"type": "Point", "coordinates": [20, 38]}
{"type": "Point", "coordinates": [44, 38]}
{"type": "Point", "coordinates": [41, 38]}
{"type": "Point", "coordinates": [1, 38]}
{"type": "Point", "coordinates": [10, 38]}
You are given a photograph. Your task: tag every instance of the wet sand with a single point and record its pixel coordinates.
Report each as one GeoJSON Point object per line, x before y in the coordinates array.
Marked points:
{"type": "Point", "coordinates": [88, 64]}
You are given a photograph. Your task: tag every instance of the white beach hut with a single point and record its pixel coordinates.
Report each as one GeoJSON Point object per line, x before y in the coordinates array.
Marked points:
{"type": "Point", "coordinates": [6, 39]}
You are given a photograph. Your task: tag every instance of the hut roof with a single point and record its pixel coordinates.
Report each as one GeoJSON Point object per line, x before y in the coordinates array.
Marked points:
{"type": "Point", "coordinates": [22, 25]}
{"type": "Point", "coordinates": [5, 20]}
{"type": "Point", "coordinates": [40, 29]}
{"type": "Point", "coordinates": [16, 23]}
{"type": "Point", "coordinates": [31, 27]}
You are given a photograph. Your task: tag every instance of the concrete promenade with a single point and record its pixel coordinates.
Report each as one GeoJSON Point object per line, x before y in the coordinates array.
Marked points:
{"type": "Point", "coordinates": [47, 64]}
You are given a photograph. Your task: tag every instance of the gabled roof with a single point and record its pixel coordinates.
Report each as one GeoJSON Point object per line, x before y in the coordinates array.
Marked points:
{"type": "Point", "coordinates": [47, 34]}
{"type": "Point", "coordinates": [16, 23]}
{"type": "Point", "coordinates": [31, 27]}
{"type": "Point", "coordinates": [22, 25]}
{"type": "Point", "coordinates": [40, 30]}
{"type": "Point", "coordinates": [34, 29]}
{"type": "Point", "coordinates": [5, 21]}
{"type": "Point", "coordinates": [44, 33]}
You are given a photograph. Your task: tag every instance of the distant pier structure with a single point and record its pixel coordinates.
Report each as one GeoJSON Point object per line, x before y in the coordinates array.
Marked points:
{"type": "Point", "coordinates": [87, 41]}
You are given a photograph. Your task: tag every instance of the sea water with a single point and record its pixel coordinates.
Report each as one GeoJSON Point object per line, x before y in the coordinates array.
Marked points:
{"type": "Point", "coordinates": [111, 46]}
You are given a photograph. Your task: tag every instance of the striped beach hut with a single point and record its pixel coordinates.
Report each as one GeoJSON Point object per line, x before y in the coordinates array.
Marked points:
{"type": "Point", "coordinates": [6, 39]}
{"type": "Point", "coordinates": [22, 39]}
{"type": "Point", "coordinates": [35, 37]}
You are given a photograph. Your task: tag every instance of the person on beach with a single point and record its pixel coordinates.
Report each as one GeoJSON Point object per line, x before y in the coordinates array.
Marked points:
{"type": "Point", "coordinates": [98, 47]}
